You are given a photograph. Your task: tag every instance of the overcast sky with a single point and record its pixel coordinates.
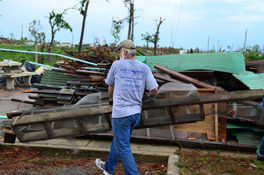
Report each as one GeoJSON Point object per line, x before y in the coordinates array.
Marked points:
{"type": "Point", "coordinates": [189, 27]}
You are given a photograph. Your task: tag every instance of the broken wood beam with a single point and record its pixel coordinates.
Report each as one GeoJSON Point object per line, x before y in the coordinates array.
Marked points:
{"type": "Point", "coordinates": [158, 103]}
{"type": "Point", "coordinates": [164, 78]}
{"type": "Point", "coordinates": [205, 99]}
{"type": "Point", "coordinates": [78, 83]}
{"type": "Point", "coordinates": [183, 77]}
{"type": "Point", "coordinates": [198, 74]}
{"type": "Point", "coordinates": [254, 63]}
{"type": "Point", "coordinates": [74, 75]}
{"type": "Point", "coordinates": [141, 52]}
{"type": "Point", "coordinates": [62, 71]}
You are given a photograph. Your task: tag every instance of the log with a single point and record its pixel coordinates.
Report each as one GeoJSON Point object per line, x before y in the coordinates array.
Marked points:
{"type": "Point", "coordinates": [183, 77]}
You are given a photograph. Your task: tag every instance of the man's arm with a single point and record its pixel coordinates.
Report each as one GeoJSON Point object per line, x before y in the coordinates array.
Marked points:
{"type": "Point", "coordinates": [153, 92]}
{"type": "Point", "coordinates": [111, 92]}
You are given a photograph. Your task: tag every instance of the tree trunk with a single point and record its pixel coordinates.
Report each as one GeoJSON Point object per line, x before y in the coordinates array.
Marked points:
{"type": "Point", "coordinates": [157, 35]}
{"type": "Point", "coordinates": [36, 50]}
{"type": "Point", "coordinates": [83, 25]}
{"type": "Point", "coordinates": [51, 43]}
{"type": "Point", "coordinates": [130, 21]}
{"type": "Point", "coordinates": [132, 11]}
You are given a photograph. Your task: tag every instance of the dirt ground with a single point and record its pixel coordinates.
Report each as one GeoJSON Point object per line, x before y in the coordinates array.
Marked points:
{"type": "Point", "coordinates": [215, 162]}
{"type": "Point", "coordinates": [18, 161]}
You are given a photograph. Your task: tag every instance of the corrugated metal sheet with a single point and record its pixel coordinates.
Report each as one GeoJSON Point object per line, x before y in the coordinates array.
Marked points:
{"type": "Point", "coordinates": [141, 58]}
{"type": "Point", "coordinates": [251, 80]}
{"type": "Point", "coordinates": [230, 62]}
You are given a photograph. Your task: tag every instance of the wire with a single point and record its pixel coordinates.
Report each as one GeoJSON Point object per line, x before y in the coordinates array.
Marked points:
{"type": "Point", "coordinates": [177, 23]}
{"type": "Point", "coordinates": [173, 22]}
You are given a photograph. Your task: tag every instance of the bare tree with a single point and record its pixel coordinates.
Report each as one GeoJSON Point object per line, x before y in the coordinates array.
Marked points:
{"type": "Point", "coordinates": [83, 11]}
{"type": "Point", "coordinates": [153, 38]}
{"type": "Point", "coordinates": [39, 37]}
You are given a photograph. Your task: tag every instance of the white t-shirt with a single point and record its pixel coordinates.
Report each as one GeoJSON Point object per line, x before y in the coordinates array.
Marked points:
{"type": "Point", "coordinates": [130, 79]}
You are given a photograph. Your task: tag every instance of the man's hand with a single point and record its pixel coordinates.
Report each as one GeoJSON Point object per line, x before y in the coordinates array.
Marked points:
{"type": "Point", "coordinates": [153, 92]}
{"type": "Point", "coordinates": [111, 102]}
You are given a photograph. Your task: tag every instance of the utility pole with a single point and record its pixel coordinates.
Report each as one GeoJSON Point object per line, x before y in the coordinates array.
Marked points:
{"type": "Point", "coordinates": [208, 44]}
{"type": "Point", "coordinates": [245, 41]}
{"type": "Point", "coordinates": [83, 25]}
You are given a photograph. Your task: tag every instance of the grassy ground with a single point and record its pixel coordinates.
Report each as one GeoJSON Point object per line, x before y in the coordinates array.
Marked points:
{"type": "Point", "coordinates": [23, 57]}
{"type": "Point", "coordinates": [196, 162]}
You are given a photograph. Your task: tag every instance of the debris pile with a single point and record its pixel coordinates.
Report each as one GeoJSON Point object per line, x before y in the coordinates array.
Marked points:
{"type": "Point", "coordinates": [202, 98]}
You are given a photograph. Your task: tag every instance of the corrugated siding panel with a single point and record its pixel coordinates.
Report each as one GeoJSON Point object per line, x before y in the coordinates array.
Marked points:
{"type": "Point", "coordinates": [230, 62]}
{"type": "Point", "coordinates": [141, 58]}
{"type": "Point", "coordinates": [251, 80]}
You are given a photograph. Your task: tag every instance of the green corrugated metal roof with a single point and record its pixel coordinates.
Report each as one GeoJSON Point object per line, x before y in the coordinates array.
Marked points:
{"type": "Point", "coordinates": [230, 62]}
{"type": "Point", "coordinates": [55, 78]}
{"type": "Point", "coordinates": [251, 80]}
{"type": "Point", "coordinates": [141, 58]}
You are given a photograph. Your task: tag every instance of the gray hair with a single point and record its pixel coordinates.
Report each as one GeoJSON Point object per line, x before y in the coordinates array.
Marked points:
{"type": "Point", "coordinates": [131, 52]}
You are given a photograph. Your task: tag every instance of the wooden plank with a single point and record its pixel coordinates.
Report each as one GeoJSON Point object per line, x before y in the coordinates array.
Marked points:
{"type": "Point", "coordinates": [205, 99]}
{"type": "Point", "coordinates": [261, 68]}
{"type": "Point", "coordinates": [62, 115]}
{"type": "Point", "coordinates": [87, 84]}
{"type": "Point", "coordinates": [161, 77]}
{"type": "Point", "coordinates": [254, 63]}
{"type": "Point", "coordinates": [198, 74]}
{"type": "Point", "coordinates": [63, 71]}
{"type": "Point", "coordinates": [158, 103]}
{"type": "Point", "coordinates": [90, 72]}
{"type": "Point", "coordinates": [48, 129]}
{"type": "Point", "coordinates": [108, 120]}
{"type": "Point", "coordinates": [183, 77]}
{"type": "Point", "coordinates": [28, 102]}
{"type": "Point", "coordinates": [202, 111]}
{"type": "Point", "coordinates": [170, 112]}
{"type": "Point", "coordinates": [164, 120]}
{"type": "Point", "coordinates": [216, 119]}
{"type": "Point", "coordinates": [208, 125]}
{"type": "Point", "coordinates": [79, 125]}
{"type": "Point", "coordinates": [74, 75]}
{"type": "Point", "coordinates": [65, 132]}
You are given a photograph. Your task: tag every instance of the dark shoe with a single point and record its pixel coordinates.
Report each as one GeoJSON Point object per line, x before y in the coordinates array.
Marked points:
{"type": "Point", "coordinates": [260, 158]}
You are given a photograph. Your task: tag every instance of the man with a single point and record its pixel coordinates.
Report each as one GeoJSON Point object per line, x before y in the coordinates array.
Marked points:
{"type": "Point", "coordinates": [260, 156]}
{"type": "Point", "coordinates": [127, 80]}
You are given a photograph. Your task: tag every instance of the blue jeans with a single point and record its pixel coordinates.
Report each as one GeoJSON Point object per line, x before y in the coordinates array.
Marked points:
{"type": "Point", "coordinates": [261, 150]}
{"type": "Point", "coordinates": [120, 148]}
